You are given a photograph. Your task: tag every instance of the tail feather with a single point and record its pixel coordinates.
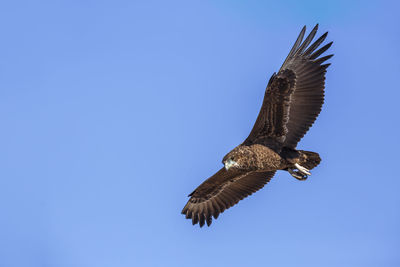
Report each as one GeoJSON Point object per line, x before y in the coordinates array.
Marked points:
{"type": "Point", "coordinates": [309, 159]}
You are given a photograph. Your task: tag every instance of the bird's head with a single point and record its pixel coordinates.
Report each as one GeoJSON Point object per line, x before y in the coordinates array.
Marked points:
{"type": "Point", "coordinates": [239, 158]}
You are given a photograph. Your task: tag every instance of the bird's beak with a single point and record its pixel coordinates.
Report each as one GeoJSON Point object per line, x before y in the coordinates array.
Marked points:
{"type": "Point", "coordinates": [229, 163]}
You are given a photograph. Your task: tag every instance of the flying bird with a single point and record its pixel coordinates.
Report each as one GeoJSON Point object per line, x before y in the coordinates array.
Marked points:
{"type": "Point", "coordinates": [292, 101]}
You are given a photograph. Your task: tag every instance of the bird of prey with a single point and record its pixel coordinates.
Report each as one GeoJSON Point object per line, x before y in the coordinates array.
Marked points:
{"type": "Point", "coordinates": [292, 101]}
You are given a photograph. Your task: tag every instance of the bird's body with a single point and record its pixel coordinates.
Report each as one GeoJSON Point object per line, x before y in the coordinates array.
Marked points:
{"type": "Point", "coordinates": [261, 158]}
{"type": "Point", "coordinates": [255, 158]}
{"type": "Point", "coordinates": [292, 101]}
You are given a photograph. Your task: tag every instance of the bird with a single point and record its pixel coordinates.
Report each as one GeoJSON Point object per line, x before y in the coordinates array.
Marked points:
{"type": "Point", "coordinates": [292, 101]}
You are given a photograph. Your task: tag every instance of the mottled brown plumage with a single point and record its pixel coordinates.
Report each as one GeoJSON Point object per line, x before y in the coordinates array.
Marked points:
{"type": "Point", "coordinates": [293, 99]}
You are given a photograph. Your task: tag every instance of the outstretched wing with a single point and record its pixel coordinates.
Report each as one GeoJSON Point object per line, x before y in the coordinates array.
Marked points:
{"type": "Point", "coordinates": [221, 191]}
{"type": "Point", "coordinates": [286, 115]}
{"type": "Point", "coordinates": [270, 127]}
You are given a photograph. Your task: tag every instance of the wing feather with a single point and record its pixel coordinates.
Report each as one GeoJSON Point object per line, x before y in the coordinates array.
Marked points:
{"type": "Point", "coordinates": [285, 117]}
{"type": "Point", "coordinates": [222, 191]}
{"type": "Point", "coordinates": [270, 127]}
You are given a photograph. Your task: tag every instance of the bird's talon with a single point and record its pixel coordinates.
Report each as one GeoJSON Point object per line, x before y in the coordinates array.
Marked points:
{"type": "Point", "coordinates": [303, 170]}
{"type": "Point", "coordinates": [299, 175]}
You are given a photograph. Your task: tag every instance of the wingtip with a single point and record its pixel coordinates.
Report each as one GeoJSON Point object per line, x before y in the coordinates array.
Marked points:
{"type": "Point", "coordinates": [195, 219]}
{"type": "Point", "coordinates": [209, 221]}
{"type": "Point", "coordinates": [328, 56]}
{"type": "Point", "coordinates": [324, 35]}
{"type": "Point", "coordinates": [325, 66]}
{"type": "Point", "coordinates": [188, 215]}
{"type": "Point", "coordinates": [184, 210]}
{"type": "Point", "coordinates": [330, 44]}
{"type": "Point", "coordinates": [323, 59]}
{"type": "Point", "coordinates": [201, 221]}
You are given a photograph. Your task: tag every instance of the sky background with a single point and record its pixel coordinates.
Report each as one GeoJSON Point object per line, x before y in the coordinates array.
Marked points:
{"type": "Point", "coordinates": [112, 112]}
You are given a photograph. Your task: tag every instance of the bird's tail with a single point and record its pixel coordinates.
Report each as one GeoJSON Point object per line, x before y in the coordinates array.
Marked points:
{"type": "Point", "coordinates": [309, 159]}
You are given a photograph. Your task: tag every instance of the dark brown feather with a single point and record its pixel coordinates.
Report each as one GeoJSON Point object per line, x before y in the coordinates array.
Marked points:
{"type": "Point", "coordinates": [286, 115]}
{"type": "Point", "coordinates": [222, 191]}
{"type": "Point", "coordinates": [270, 127]}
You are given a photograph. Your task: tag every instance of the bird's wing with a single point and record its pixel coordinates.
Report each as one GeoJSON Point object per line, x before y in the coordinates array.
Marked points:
{"type": "Point", "coordinates": [294, 96]}
{"type": "Point", "coordinates": [221, 191]}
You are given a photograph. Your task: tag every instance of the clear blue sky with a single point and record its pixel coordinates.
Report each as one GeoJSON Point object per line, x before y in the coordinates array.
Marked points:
{"type": "Point", "coordinates": [112, 112]}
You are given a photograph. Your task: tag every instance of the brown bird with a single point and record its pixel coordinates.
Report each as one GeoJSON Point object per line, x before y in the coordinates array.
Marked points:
{"type": "Point", "coordinates": [292, 101]}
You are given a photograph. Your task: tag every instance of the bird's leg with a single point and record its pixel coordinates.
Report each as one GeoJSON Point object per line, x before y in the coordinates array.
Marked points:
{"type": "Point", "coordinates": [301, 173]}
{"type": "Point", "coordinates": [296, 174]}
{"type": "Point", "coordinates": [303, 170]}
